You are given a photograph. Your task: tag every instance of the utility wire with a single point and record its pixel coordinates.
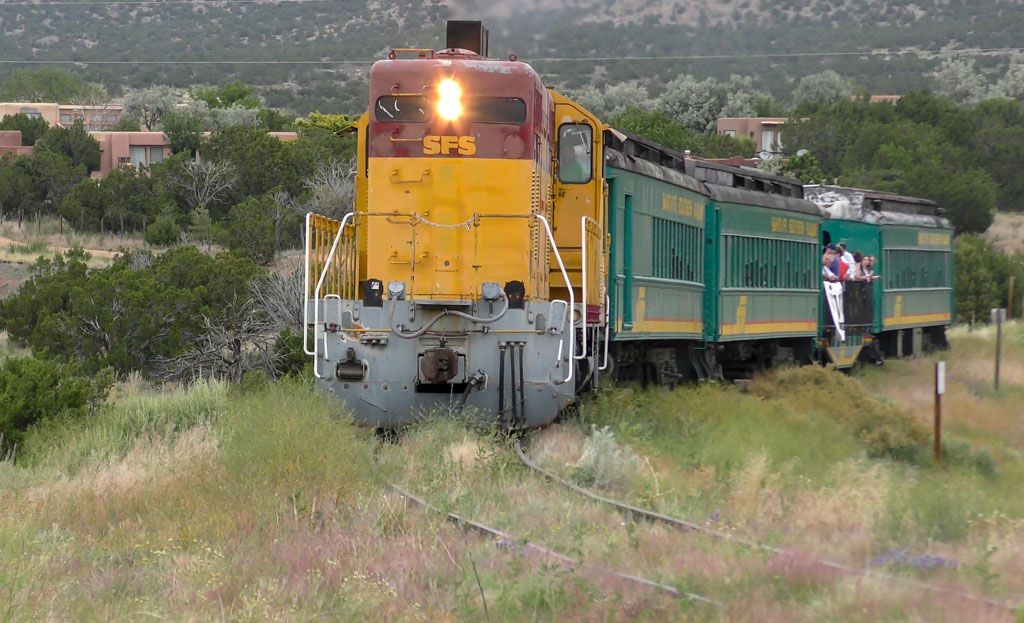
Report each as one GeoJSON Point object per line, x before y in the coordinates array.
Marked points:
{"type": "Point", "coordinates": [188, 62]}
{"type": "Point", "coordinates": [540, 59]}
{"type": "Point", "coordinates": [955, 52]}
{"type": "Point", "coordinates": [196, 2]}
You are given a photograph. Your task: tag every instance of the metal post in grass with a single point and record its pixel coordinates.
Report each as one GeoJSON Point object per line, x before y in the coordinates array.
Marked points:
{"type": "Point", "coordinates": [940, 389]}
{"type": "Point", "coordinates": [1009, 299]}
{"type": "Point", "coordinates": [998, 317]}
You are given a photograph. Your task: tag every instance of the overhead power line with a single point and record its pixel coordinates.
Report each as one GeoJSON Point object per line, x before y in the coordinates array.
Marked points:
{"type": "Point", "coordinates": [185, 62]}
{"type": "Point", "coordinates": [196, 2]}
{"type": "Point", "coordinates": [879, 54]}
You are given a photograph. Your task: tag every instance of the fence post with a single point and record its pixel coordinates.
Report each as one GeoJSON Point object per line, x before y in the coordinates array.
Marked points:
{"type": "Point", "coordinates": [940, 389]}
{"type": "Point", "coordinates": [1009, 299]}
{"type": "Point", "coordinates": [998, 317]}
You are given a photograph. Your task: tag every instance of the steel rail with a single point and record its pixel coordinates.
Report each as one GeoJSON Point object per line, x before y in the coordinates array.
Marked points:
{"type": "Point", "coordinates": [547, 551]}
{"type": "Point", "coordinates": [655, 516]}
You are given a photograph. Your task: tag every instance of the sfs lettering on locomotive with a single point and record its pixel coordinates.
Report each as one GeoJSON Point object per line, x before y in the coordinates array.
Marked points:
{"type": "Point", "coordinates": [433, 145]}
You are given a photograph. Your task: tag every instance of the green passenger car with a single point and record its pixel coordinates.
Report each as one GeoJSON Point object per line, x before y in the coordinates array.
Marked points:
{"type": "Point", "coordinates": [713, 269]}
{"type": "Point", "coordinates": [913, 299]}
{"type": "Point", "coordinates": [764, 264]}
{"type": "Point", "coordinates": [656, 218]}
{"type": "Point", "coordinates": [917, 284]}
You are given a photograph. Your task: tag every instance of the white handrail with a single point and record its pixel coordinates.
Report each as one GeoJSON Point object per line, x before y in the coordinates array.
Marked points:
{"type": "Point", "coordinates": [316, 294]}
{"type": "Point", "coordinates": [607, 331]}
{"type": "Point", "coordinates": [305, 296]}
{"type": "Point", "coordinates": [583, 291]}
{"type": "Point", "coordinates": [572, 301]}
{"type": "Point", "coordinates": [567, 319]}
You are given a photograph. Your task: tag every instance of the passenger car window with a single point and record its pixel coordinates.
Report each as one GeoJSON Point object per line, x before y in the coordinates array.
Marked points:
{"type": "Point", "coordinates": [402, 109]}
{"type": "Point", "coordinates": [575, 147]}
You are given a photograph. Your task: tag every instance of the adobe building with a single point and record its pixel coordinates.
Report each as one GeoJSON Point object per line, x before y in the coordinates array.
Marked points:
{"type": "Point", "coordinates": [764, 131]}
{"type": "Point", "coordinates": [122, 149]}
{"type": "Point", "coordinates": [94, 118]}
{"type": "Point", "coordinates": [118, 149]}
{"type": "Point", "coordinates": [10, 143]}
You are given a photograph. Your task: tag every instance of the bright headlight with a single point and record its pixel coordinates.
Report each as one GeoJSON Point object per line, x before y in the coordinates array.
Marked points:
{"type": "Point", "coordinates": [450, 106]}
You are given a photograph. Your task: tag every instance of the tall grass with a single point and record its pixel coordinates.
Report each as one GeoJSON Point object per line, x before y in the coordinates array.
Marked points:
{"type": "Point", "coordinates": [184, 504]}
{"type": "Point", "coordinates": [71, 446]}
{"type": "Point", "coordinates": [266, 504]}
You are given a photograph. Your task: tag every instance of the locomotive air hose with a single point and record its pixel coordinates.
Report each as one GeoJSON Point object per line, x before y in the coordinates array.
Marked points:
{"type": "Point", "coordinates": [447, 312]}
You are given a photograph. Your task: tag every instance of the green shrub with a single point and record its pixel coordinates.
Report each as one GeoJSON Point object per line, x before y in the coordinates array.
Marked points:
{"type": "Point", "coordinates": [164, 231]}
{"type": "Point", "coordinates": [288, 346]}
{"type": "Point", "coordinates": [883, 429]}
{"type": "Point", "coordinates": [33, 389]}
{"type": "Point", "coordinates": [250, 230]}
{"type": "Point", "coordinates": [133, 315]}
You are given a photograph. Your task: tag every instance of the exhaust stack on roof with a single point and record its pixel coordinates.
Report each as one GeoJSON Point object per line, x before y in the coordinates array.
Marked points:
{"type": "Point", "coordinates": [468, 35]}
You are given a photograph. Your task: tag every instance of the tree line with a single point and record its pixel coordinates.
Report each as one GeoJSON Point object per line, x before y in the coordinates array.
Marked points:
{"type": "Point", "coordinates": [246, 191]}
{"type": "Point", "coordinates": [177, 316]}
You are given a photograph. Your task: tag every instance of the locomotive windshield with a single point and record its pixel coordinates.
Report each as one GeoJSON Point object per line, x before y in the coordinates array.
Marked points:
{"type": "Point", "coordinates": [510, 110]}
{"type": "Point", "coordinates": [417, 109]}
{"type": "Point", "coordinates": [402, 108]}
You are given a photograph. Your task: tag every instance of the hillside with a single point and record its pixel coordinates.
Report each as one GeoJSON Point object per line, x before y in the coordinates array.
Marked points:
{"type": "Point", "coordinates": [286, 43]}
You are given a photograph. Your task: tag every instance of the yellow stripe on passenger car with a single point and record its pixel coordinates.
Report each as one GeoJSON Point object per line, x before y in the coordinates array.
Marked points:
{"type": "Point", "coordinates": [760, 328]}
{"type": "Point", "coordinates": [916, 318]}
{"type": "Point", "coordinates": [667, 326]}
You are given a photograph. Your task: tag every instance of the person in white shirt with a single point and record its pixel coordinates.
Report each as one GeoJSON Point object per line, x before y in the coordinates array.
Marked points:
{"type": "Point", "coordinates": [826, 272]}
{"type": "Point", "coordinates": [851, 264]}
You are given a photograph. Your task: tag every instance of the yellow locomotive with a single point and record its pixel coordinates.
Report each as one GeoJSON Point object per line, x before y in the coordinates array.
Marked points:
{"type": "Point", "coordinates": [472, 270]}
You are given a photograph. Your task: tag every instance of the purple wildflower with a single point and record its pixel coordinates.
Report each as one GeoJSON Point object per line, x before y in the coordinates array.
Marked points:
{"type": "Point", "coordinates": [921, 563]}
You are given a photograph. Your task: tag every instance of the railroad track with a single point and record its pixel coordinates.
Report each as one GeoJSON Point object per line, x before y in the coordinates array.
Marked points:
{"type": "Point", "coordinates": [684, 524]}
{"type": "Point", "coordinates": [508, 540]}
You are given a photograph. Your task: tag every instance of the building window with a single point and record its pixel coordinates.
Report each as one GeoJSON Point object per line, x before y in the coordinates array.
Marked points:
{"type": "Point", "coordinates": [31, 113]}
{"type": "Point", "coordinates": [137, 155]}
{"type": "Point", "coordinates": [156, 154]}
{"type": "Point", "coordinates": [111, 118]}
{"type": "Point", "coordinates": [768, 140]}
{"type": "Point", "coordinates": [729, 133]}
{"type": "Point", "coordinates": [65, 117]}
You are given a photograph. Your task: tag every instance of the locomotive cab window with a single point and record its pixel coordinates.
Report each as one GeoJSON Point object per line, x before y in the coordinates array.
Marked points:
{"type": "Point", "coordinates": [575, 145]}
{"type": "Point", "coordinates": [402, 109]}
{"type": "Point", "coordinates": [510, 110]}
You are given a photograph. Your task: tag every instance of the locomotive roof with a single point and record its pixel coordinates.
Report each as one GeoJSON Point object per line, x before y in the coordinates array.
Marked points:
{"type": "Point", "coordinates": [872, 206]}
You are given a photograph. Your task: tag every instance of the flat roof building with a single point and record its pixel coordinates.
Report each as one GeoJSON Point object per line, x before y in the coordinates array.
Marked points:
{"type": "Point", "coordinates": [764, 131]}
{"type": "Point", "coordinates": [93, 117]}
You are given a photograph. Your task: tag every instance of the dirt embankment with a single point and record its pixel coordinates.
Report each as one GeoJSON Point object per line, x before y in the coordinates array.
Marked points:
{"type": "Point", "coordinates": [1007, 231]}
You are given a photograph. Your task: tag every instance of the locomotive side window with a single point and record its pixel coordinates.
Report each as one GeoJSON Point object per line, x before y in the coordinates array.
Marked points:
{"type": "Point", "coordinates": [402, 109]}
{"type": "Point", "coordinates": [574, 153]}
{"type": "Point", "coordinates": [510, 110]}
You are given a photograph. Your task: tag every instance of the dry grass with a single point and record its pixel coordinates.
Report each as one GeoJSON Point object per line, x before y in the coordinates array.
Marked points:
{"type": "Point", "coordinates": [50, 235]}
{"type": "Point", "coordinates": [213, 505]}
{"type": "Point", "coordinates": [17, 254]}
{"type": "Point", "coordinates": [970, 401]}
